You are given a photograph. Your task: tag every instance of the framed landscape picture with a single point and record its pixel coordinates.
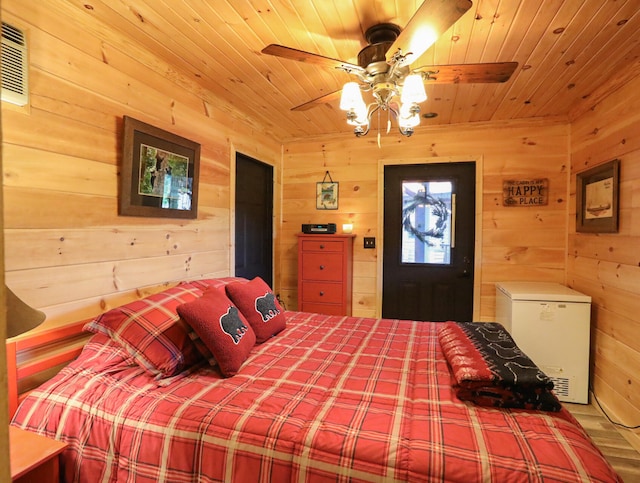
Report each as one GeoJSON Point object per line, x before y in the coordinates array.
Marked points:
{"type": "Point", "coordinates": [159, 173]}
{"type": "Point", "coordinates": [597, 198]}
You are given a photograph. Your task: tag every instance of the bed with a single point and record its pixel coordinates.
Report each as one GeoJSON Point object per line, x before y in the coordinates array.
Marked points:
{"type": "Point", "coordinates": [324, 398]}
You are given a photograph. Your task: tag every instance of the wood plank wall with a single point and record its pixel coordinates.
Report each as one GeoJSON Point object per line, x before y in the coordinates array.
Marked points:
{"type": "Point", "coordinates": [607, 266]}
{"type": "Point", "coordinates": [67, 250]}
{"type": "Point", "coordinates": [523, 243]}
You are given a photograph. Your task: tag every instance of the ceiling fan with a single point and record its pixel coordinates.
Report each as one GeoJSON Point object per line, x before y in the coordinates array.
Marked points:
{"type": "Point", "coordinates": [384, 68]}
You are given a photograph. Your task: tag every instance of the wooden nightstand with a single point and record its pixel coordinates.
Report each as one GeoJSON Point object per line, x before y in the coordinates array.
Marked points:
{"type": "Point", "coordinates": [34, 458]}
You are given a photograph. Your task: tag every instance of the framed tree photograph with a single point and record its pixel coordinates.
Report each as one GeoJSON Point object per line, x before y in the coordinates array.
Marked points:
{"type": "Point", "coordinates": [159, 173]}
{"type": "Point", "coordinates": [597, 198]}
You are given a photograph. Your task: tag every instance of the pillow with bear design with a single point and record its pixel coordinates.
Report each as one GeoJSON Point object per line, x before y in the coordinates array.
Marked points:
{"type": "Point", "coordinates": [222, 328]}
{"type": "Point", "coordinates": [259, 306]}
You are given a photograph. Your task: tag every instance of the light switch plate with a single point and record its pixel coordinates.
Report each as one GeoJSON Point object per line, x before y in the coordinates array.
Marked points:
{"type": "Point", "coordinates": [369, 242]}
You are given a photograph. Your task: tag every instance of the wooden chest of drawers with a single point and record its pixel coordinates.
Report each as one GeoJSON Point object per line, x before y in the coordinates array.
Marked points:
{"type": "Point", "coordinates": [325, 268]}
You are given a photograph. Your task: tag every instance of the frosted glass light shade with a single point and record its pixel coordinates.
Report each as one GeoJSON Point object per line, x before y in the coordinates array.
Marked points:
{"type": "Point", "coordinates": [351, 97]}
{"type": "Point", "coordinates": [409, 115]}
{"type": "Point", "coordinates": [405, 109]}
{"type": "Point", "coordinates": [413, 90]}
{"type": "Point", "coordinates": [360, 116]}
{"type": "Point", "coordinates": [411, 121]}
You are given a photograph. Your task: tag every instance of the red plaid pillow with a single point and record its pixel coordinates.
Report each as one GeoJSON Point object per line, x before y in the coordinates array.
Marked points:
{"type": "Point", "coordinates": [259, 306]}
{"type": "Point", "coordinates": [150, 330]}
{"type": "Point", "coordinates": [221, 327]}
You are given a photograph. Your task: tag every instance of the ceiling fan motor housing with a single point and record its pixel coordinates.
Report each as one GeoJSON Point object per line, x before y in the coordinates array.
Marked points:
{"type": "Point", "coordinates": [382, 32]}
{"type": "Point", "coordinates": [380, 37]}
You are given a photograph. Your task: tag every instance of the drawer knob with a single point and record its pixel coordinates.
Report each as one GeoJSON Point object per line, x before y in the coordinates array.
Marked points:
{"type": "Point", "coordinates": [321, 267]}
{"type": "Point", "coordinates": [321, 246]}
{"type": "Point", "coordinates": [321, 293]}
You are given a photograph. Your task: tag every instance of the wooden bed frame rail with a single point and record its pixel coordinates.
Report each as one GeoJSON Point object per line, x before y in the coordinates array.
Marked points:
{"type": "Point", "coordinates": [31, 360]}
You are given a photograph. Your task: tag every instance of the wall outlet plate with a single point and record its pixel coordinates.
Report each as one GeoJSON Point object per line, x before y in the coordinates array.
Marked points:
{"type": "Point", "coordinates": [369, 242]}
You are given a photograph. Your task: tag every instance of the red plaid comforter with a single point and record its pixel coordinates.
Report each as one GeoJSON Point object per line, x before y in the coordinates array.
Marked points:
{"type": "Point", "coordinates": [328, 399]}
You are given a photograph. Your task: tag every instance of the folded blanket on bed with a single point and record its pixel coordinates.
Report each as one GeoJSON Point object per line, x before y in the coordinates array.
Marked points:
{"type": "Point", "coordinates": [491, 370]}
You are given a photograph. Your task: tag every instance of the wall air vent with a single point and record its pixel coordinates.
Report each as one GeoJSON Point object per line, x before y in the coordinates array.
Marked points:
{"type": "Point", "coordinates": [14, 66]}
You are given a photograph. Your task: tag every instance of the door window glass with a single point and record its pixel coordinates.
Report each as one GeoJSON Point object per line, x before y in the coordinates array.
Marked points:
{"type": "Point", "coordinates": [426, 222]}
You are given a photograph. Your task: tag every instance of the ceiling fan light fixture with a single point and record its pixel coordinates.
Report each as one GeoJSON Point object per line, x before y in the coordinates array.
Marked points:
{"type": "Point", "coordinates": [408, 109]}
{"type": "Point", "coordinates": [409, 116]}
{"type": "Point", "coordinates": [408, 87]}
{"type": "Point", "coordinates": [413, 90]}
{"type": "Point", "coordinates": [407, 122]}
{"type": "Point", "coordinates": [358, 116]}
{"type": "Point", "coordinates": [351, 98]}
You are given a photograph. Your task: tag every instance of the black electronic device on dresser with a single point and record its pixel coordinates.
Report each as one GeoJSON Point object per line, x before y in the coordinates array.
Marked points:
{"type": "Point", "coordinates": [319, 229]}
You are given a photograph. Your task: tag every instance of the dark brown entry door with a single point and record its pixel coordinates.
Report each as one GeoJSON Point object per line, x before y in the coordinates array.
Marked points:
{"type": "Point", "coordinates": [429, 232]}
{"type": "Point", "coordinates": [254, 219]}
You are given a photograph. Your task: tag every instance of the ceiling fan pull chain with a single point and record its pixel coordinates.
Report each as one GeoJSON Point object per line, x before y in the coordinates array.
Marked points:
{"type": "Point", "coordinates": [379, 145]}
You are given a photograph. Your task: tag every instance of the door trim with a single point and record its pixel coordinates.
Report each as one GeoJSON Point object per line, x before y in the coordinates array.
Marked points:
{"type": "Point", "coordinates": [232, 209]}
{"type": "Point", "coordinates": [478, 159]}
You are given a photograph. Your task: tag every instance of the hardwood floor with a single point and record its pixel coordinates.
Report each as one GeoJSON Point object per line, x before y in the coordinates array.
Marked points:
{"type": "Point", "coordinates": [618, 451]}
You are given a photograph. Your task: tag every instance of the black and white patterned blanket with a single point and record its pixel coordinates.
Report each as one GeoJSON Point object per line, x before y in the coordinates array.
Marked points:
{"type": "Point", "coordinates": [491, 370]}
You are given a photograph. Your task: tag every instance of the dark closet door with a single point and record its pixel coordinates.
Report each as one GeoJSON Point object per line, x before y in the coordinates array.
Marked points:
{"type": "Point", "coordinates": [254, 219]}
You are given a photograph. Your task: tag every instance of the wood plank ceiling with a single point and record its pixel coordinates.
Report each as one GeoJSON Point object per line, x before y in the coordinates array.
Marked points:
{"type": "Point", "coordinates": [565, 51]}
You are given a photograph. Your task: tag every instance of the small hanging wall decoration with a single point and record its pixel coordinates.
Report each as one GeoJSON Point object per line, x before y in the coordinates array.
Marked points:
{"type": "Point", "coordinates": [327, 193]}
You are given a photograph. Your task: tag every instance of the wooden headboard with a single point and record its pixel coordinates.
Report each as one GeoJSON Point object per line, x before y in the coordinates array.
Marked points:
{"type": "Point", "coordinates": [31, 360]}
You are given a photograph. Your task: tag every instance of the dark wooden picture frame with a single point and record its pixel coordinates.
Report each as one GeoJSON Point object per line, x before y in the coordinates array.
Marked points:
{"type": "Point", "coordinates": [597, 198]}
{"type": "Point", "coordinates": [160, 170]}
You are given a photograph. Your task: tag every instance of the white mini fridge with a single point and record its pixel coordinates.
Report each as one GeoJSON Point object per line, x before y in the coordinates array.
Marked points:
{"type": "Point", "coordinates": [551, 324]}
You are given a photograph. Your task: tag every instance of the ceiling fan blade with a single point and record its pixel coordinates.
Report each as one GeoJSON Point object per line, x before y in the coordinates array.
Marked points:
{"type": "Point", "coordinates": [332, 96]}
{"type": "Point", "coordinates": [431, 20]}
{"type": "Point", "coordinates": [469, 73]}
{"type": "Point", "coordinates": [308, 57]}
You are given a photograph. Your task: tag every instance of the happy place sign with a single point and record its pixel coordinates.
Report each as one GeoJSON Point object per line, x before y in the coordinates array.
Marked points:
{"type": "Point", "coordinates": [525, 192]}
